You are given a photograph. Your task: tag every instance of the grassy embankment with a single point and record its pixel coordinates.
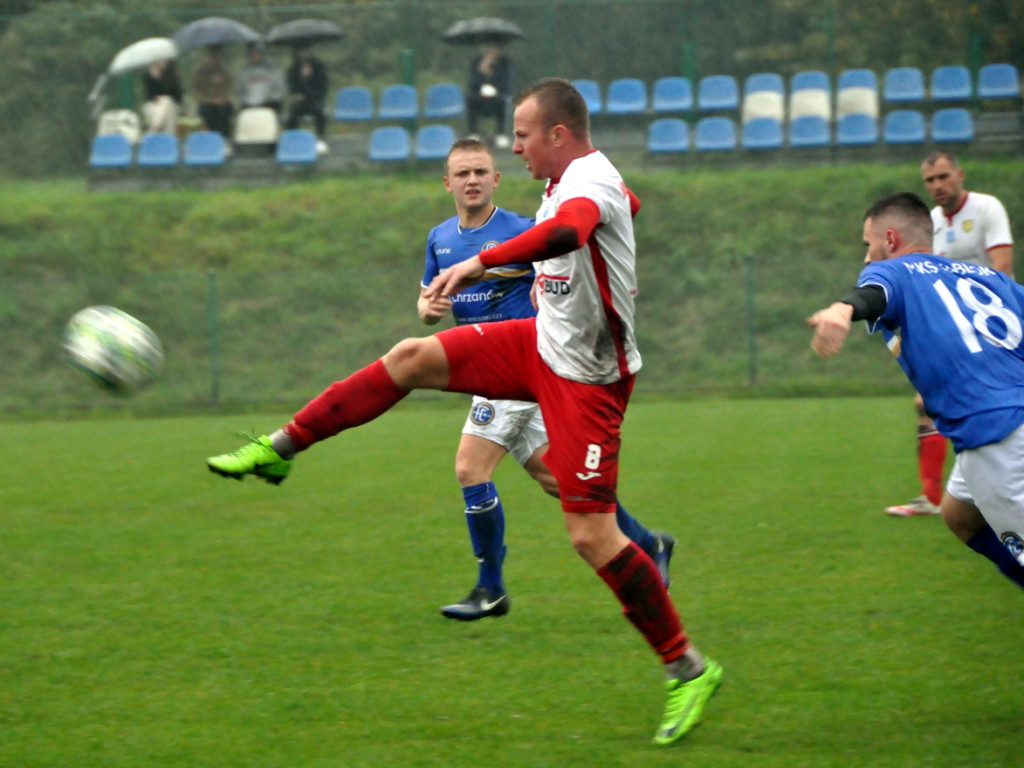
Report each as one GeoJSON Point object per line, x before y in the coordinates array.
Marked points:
{"type": "Point", "coordinates": [314, 279]}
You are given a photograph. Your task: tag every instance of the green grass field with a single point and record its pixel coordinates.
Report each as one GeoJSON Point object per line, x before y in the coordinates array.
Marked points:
{"type": "Point", "coordinates": [156, 615]}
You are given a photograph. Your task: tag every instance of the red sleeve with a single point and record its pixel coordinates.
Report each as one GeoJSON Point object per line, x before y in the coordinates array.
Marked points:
{"type": "Point", "coordinates": [566, 231]}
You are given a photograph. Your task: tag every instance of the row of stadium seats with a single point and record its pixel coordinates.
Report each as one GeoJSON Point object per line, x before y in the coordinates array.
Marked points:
{"type": "Point", "coordinates": [294, 147]}
{"type": "Point", "coordinates": [810, 92]}
{"type": "Point", "coordinates": [857, 90]}
{"type": "Point", "coordinates": [354, 103]}
{"type": "Point", "coordinates": [904, 126]}
{"type": "Point", "coordinates": [200, 149]}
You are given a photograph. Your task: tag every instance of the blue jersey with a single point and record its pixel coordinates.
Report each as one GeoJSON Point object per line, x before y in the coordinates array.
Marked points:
{"type": "Point", "coordinates": [957, 330]}
{"type": "Point", "coordinates": [504, 293]}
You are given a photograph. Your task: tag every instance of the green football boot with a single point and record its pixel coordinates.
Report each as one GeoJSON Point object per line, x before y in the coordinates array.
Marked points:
{"type": "Point", "coordinates": [255, 458]}
{"type": "Point", "coordinates": [686, 702]}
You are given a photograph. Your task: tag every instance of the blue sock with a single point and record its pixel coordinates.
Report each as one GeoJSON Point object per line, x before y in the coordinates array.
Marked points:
{"type": "Point", "coordinates": [486, 521]}
{"type": "Point", "coordinates": [985, 542]}
{"type": "Point", "coordinates": [634, 529]}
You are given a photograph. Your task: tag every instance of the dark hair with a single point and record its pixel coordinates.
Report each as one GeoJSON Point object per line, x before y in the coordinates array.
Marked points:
{"type": "Point", "coordinates": [917, 218]}
{"type": "Point", "coordinates": [934, 157]}
{"type": "Point", "coordinates": [561, 104]}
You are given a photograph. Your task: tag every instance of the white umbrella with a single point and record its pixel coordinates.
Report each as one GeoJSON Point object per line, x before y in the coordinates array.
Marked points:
{"type": "Point", "coordinates": [143, 53]}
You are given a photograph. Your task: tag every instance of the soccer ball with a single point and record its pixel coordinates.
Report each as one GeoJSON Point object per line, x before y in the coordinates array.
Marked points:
{"type": "Point", "coordinates": [119, 352]}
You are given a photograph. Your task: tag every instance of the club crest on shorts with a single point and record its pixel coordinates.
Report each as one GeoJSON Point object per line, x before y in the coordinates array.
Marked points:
{"type": "Point", "coordinates": [482, 413]}
{"type": "Point", "coordinates": [1014, 543]}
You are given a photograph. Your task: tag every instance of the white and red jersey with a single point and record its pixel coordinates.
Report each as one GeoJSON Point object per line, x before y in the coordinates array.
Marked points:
{"type": "Point", "coordinates": [585, 320]}
{"type": "Point", "coordinates": [979, 224]}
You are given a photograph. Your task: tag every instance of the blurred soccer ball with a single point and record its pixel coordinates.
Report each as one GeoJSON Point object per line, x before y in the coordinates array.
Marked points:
{"type": "Point", "coordinates": [119, 352]}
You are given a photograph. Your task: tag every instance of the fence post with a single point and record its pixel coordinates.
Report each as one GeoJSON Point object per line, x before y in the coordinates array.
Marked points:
{"type": "Point", "coordinates": [748, 269]}
{"type": "Point", "coordinates": [214, 321]}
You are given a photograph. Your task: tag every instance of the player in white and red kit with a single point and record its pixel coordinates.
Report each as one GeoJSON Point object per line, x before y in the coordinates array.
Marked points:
{"type": "Point", "coordinates": [495, 428]}
{"type": "Point", "coordinates": [577, 359]}
{"type": "Point", "coordinates": [968, 226]}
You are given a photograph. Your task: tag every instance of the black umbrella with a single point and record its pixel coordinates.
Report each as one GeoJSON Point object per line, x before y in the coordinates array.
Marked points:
{"type": "Point", "coordinates": [213, 30]}
{"type": "Point", "coordinates": [303, 31]}
{"type": "Point", "coordinates": [482, 30]}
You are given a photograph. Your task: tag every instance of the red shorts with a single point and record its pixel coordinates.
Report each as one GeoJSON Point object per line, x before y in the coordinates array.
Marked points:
{"type": "Point", "coordinates": [584, 421]}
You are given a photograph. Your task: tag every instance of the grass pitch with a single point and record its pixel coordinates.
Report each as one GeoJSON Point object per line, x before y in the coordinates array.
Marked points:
{"type": "Point", "coordinates": [156, 615]}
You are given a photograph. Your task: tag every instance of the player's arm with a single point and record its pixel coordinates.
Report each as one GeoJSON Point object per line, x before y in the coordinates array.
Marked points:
{"type": "Point", "coordinates": [1001, 257]}
{"type": "Point", "coordinates": [832, 324]}
{"type": "Point", "coordinates": [570, 227]}
{"type": "Point", "coordinates": [564, 232]}
{"type": "Point", "coordinates": [431, 310]}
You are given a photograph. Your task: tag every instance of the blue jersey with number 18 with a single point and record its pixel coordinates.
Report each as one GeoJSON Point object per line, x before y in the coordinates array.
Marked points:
{"type": "Point", "coordinates": [957, 331]}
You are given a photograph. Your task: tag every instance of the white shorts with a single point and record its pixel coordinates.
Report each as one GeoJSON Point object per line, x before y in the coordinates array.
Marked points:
{"type": "Point", "coordinates": [992, 478]}
{"type": "Point", "coordinates": [515, 425]}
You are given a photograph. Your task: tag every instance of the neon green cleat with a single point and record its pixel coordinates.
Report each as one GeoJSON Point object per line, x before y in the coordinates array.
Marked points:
{"type": "Point", "coordinates": [686, 702]}
{"type": "Point", "coordinates": [255, 458]}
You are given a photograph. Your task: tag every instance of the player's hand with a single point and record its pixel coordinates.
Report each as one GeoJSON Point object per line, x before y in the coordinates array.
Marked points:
{"type": "Point", "coordinates": [456, 278]}
{"type": "Point", "coordinates": [433, 311]}
{"type": "Point", "coordinates": [831, 326]}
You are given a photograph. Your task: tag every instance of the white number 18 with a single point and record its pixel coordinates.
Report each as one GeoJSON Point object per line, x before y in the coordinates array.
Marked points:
{"type": "Point", "coordinates": [969, 331]}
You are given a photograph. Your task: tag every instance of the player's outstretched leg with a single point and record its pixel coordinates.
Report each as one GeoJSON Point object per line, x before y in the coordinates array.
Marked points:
{"type": "Point", "coordinates": [686, 702]}
{"type": "Point", "coordinates": [486, 520]}
{"type": "Point", "coordinates": [360, 398]}
{"type": "Point", "coordinates": [257, 457]}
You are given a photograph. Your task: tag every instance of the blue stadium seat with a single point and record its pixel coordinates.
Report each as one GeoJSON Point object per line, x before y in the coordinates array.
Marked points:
{"type": "Point", "coordinates": [952, 124]}
{"type": "Point", "coordinates": [718, 92]}
{"type": "Point", "coordinates": [903, 85]}
{"type": "Point", "coordinates": [113, 150]}
{"type": "Point", "coordinates": [764, 81]}
{"type": "Point", "coordinates": [857, 78]}
{"type": "Point", "coordinates": [668, 134]}
{"type": "Point", "coordinates": [626, 96]}
{"type": "Point", "coordinates": [810, 80]}
{"type": "Point", "coordinates": [857, 93]}
{"type": "Point", "coordinates": [353, 104]}
{"type": "Point", "coordinates": [904, 126]}
{"type": "Point", "coordinates": [398, 102]}
{"type": "Point", "coordinates": [810, 94]}
{"type": "Point", "coordinates": [434, 141]}
{"type": "Point", "coordinates": [998, 81]}
{"type": "Point", "coordinates": [591, 93]}
{"type": "Point", "coordinates": [951, 83]}
{"type": "Point", "coordinates": [809, 131]}
{"type": "Point", "coordinates": [443, 102]}
{"type": "Point", "coordinates": [389, 144]}
{"type": "Point", "coordinates": [715, 134]}
{"type": "Point", "coordinates": [205, 148]}
{"type": "Point", "coordinates": [762, 133]}
{"type": "Point", "coordinates": [297, 147]}
{"type": "Point", "coordinates": [856, 130]}
{"type": "Point", "coordinates": [158, 150]}
{"type": "Point", "coordinates": [672, 94]}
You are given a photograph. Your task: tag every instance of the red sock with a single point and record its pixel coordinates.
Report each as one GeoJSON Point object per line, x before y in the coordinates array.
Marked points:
{"type": "Point", "coordinates": [931, 460]}
{"type": "Point", "coordinates": [360, 398]}
{"type": "Point", "coordinates": [635, 580]}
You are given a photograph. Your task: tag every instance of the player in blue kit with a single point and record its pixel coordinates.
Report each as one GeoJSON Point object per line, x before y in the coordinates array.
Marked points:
{"type": "Point", "coordinates": [957, 330]}
{"type": "Point", "coordinates": [495, 428]}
